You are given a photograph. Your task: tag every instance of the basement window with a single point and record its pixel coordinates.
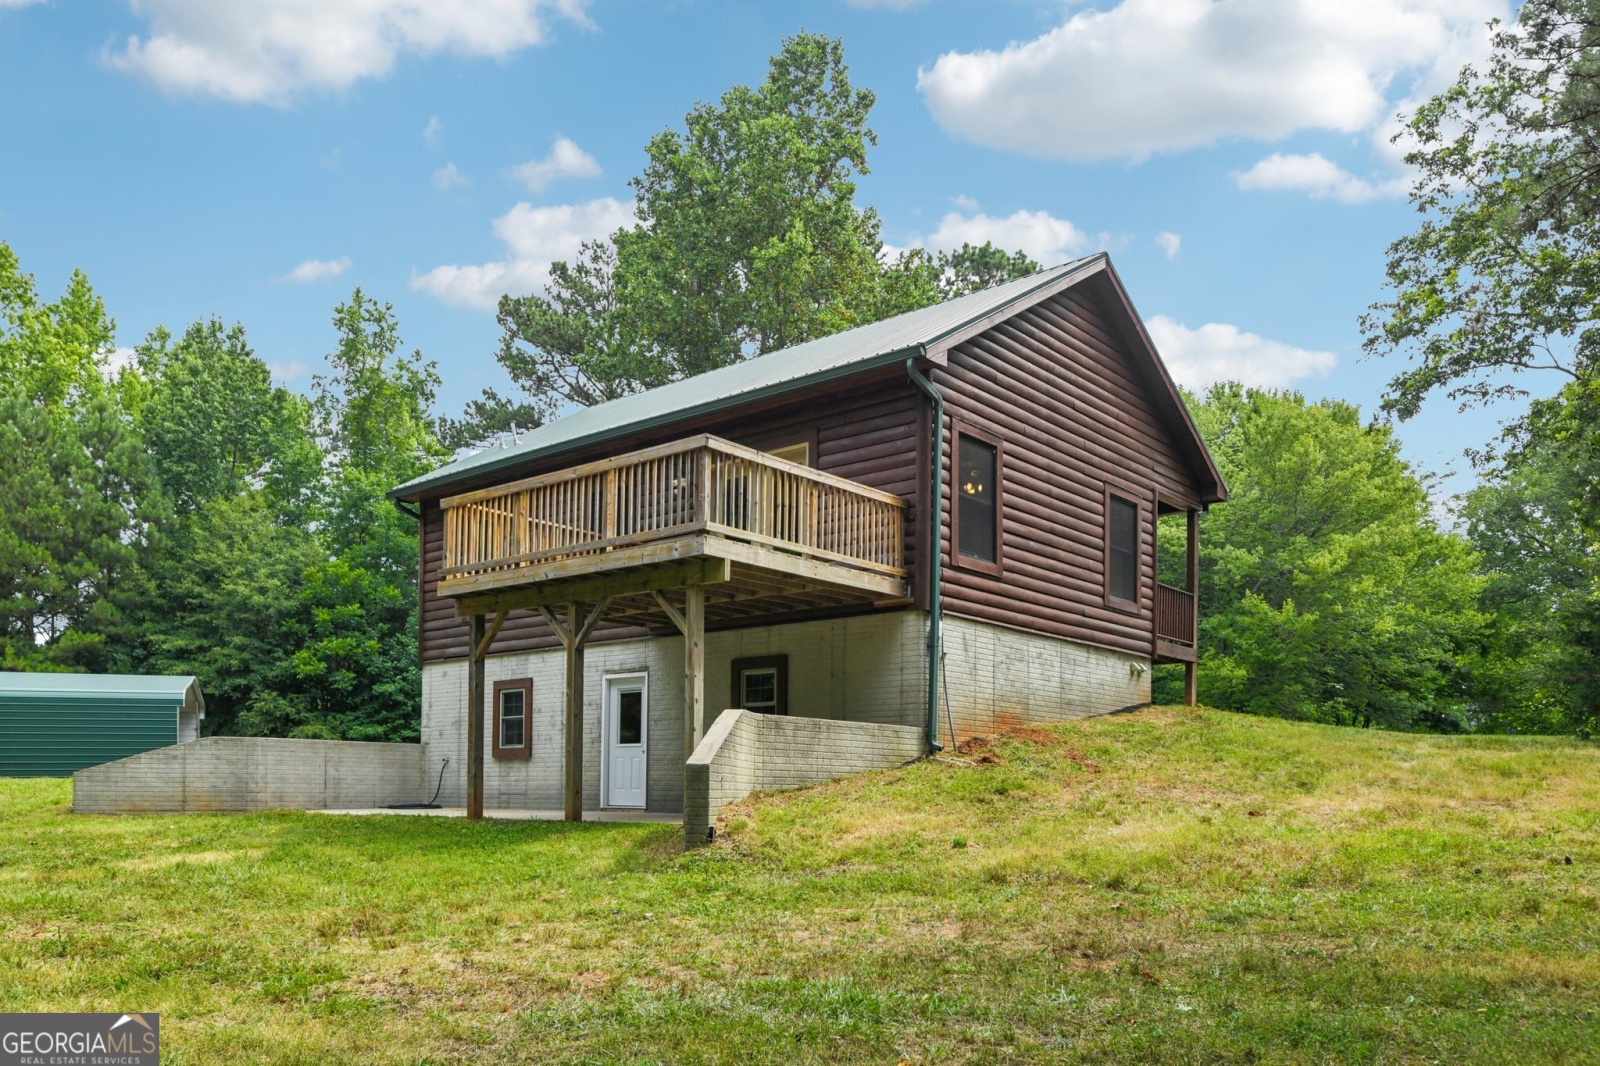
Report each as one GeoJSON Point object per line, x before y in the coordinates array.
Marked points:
{"type": "Point", "coordinates": [513, 704]}
{"type": "Point", "coordinates": [761, 684]}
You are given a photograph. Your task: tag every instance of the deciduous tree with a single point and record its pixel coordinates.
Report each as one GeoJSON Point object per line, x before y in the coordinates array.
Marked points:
{"type": "Point", "coordinates": [748, 240]}
{"type": "Point", "coordinates": [1328, 591]}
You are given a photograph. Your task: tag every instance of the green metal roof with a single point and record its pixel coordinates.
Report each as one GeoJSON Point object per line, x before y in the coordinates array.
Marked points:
{"type": "Point", "coordinates": [765, 375]}
{"type": "Point", "coordinates": [162, 688]}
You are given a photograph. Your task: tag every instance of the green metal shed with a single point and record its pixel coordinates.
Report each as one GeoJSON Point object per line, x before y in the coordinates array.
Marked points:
{"type": "Point", "coordinates": [54, 724]}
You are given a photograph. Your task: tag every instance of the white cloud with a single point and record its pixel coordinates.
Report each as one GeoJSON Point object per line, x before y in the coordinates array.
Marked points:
{"type": "Point", "coordinates": [1046, 238]}
{"type": "Point", "coordinates": [1322, 178]}
{"type": "Point", "coordinates": [566, 160]}
{"type": "Point", "coordinates": [449, 176]}
{"type": "Point", "coordinates": [433, 131]}
{"type": "Point", "coordinates": [1169, 243]}
{"type": "Point", "coordinates": [534, 238]}
{"type": "Point", "coordinates": [119, 358]}
{"type": "Point", "coordinates": [272, 50]}
{"type": "Point", "coordinates": [18, 3]}
{"type": "Point", "coordinates": [1149, 76]}
{"type": "Point", "coordinates": [1218, 352]}
{"type": "Point", "coordinates": [318, 270]}
{"type": "Point", "coordinates": [287, 371]}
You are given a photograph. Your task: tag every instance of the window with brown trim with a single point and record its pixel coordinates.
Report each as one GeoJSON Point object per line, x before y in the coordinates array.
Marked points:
{"type": "Point", "coordinates": [1122, 516]}
{"type": "Point", "coordinates": [976, 517]}
{"type": "Point", "coordinates": [513, 719]}
{"type": "Point", "coordinates": [794, 453]}
{"type": "Point", "coordinates": [761, 684]}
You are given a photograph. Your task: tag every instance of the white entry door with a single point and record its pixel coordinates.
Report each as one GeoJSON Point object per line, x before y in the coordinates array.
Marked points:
{"type": "Point", "coordinates": [625, 740]}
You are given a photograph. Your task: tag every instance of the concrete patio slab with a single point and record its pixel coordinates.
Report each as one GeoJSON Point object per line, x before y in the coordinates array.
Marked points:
{"type": "Point", "coordinates": [516, 815]}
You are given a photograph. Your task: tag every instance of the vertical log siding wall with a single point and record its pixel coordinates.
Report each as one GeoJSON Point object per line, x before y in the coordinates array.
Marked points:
{"type": "Point", "coordinates": [1054, 383]}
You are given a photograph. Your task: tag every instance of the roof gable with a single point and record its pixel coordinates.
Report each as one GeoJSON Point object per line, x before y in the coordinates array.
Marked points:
{"type": "Point", "coordinates": [929, 332]}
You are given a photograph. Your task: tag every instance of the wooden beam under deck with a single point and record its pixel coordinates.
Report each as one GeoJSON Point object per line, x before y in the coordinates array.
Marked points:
{"type": "Point", "coordinates": [585, 565]}
{"type": "Point", "coordinates": [747, 593]}
{"type": "Point", "coordinates": [611, 584]}
{"type": "Point", "coordinates": [490, 591]}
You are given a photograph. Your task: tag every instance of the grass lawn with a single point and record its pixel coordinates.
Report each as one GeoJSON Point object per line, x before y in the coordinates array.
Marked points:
{"type": "Point", "coordinates": [1171, 885]}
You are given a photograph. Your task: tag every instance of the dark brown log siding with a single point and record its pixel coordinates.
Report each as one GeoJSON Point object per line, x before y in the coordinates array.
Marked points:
{"type": "Point", "coordinates": [866, 431]}
{"type": "Point", "coordinates": [1055, 384]}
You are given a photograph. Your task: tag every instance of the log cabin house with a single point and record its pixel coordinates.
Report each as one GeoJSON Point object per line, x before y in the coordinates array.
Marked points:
{"type": "Point", "coordinates": [945, 519]}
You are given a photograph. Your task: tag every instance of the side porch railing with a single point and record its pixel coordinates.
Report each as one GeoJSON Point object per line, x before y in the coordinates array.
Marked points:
{"type": "Point", "coordinates": [1174, 614]}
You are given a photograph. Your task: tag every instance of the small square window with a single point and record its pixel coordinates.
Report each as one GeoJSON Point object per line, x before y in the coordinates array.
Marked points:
{"type": "Point", "coordinates": [761, 684]}
{"type": "Point", "coordinates": [760, 689]}
{"type": "Point", "coordinates": [513, 703]}
{"type": "Point", "coordinates": [513, 718]}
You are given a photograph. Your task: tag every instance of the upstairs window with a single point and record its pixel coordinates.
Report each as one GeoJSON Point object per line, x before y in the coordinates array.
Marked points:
{"type": "Point", "coordinates": [513, 703]}
{"type": "Point", "coordinates": [794, 453]}
{"type": "Point", "coordinates": [1122, 551]}
{"type": "Point", "coordinates": [977, 511]}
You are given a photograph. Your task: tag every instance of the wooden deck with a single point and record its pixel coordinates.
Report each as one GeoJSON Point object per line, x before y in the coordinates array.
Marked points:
{"type": "Point", "coordinates": [700, 530]}
{"type": "Point", "coordinates": [768, 534]}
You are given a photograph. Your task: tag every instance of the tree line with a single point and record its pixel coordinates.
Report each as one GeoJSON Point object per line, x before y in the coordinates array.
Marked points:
{"type": "Point", "coordinates": [181, 514]}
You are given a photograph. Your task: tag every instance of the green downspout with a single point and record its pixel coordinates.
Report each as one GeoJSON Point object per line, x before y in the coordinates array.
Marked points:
{"type": "Point", "coordinates": [936, 544]}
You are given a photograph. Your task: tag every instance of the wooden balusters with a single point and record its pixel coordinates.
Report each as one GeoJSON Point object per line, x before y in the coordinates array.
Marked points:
{"type": "Point", "coordinates": [701, 482]}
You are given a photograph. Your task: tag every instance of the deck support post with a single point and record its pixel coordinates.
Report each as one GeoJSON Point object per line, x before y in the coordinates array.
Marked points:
{"type": "Point", "coordinates": [1191, 691]}
{"type": "Point", "coordinates": [475, 650]}
{"type": "Point", "coordinates": [574, 634]}
{"type": "Point", "coordinates": [572, 780]}
{"type": "Point", "coordinates": [694, 667]}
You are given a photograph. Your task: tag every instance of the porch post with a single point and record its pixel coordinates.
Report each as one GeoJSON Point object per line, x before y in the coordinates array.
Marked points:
{"type": "Point", "coordinates": [573, 791]}
{"type": "Point", "coordinates": [1191, 694]}
{"type": "Point", "coordinates": [694, 667]}
{"type": "Point", "coordinates": [475, 718]}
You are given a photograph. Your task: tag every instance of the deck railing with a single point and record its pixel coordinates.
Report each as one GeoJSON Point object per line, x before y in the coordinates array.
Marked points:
{"type": "Point", "coordinates": [701, 484]}
{"type": "Point", "coordinates": [1174, 614]}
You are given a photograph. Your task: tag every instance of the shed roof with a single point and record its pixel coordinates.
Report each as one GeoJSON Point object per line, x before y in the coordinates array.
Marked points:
{"type": "Point", "coordinates": [776, 372]}
{"type": "Point", "coordinates": [163, 688]}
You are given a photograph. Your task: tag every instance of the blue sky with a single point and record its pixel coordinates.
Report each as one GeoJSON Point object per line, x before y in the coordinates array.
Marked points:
{"type": "Point", "coordinates": [256, 161]}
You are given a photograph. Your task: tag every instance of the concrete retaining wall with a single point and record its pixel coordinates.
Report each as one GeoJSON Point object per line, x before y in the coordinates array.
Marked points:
{"type": "Point", "coordinates": [253, 774]}
{"type": "Point", "coordinates": [744, 752]}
